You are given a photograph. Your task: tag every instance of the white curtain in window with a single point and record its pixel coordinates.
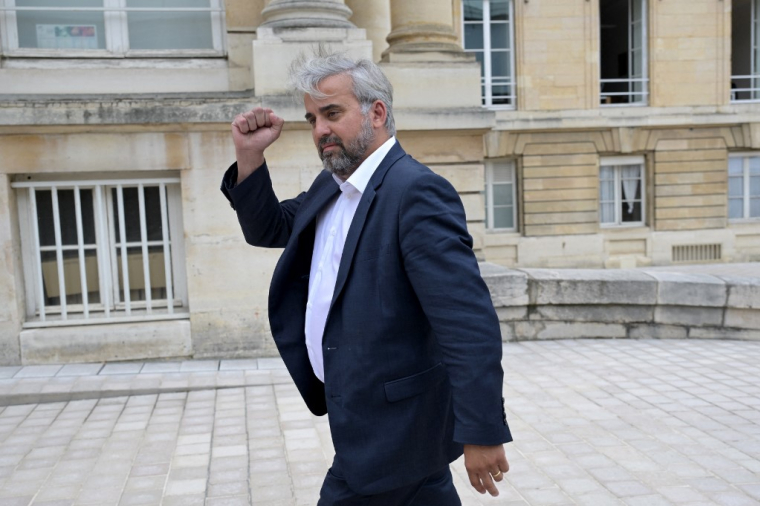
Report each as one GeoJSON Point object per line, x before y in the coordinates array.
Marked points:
{"type": "Point", "coordinates": [631, 179]}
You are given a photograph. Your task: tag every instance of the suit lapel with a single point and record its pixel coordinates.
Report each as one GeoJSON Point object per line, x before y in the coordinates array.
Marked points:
{"type": "Point", "coordinates": [323, 194]}
{"type": "Point", "coordinates": [360, 217]}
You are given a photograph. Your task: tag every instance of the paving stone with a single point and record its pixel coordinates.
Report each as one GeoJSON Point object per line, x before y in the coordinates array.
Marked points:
{"type": "Point", "coordinates": [79, 370]}
{"type": "Point", "coordinates": [159, 367]}
{"type": "Point", "coordinates": [199, 365]}
{"type": "Point", "coordinates": [121, 368]}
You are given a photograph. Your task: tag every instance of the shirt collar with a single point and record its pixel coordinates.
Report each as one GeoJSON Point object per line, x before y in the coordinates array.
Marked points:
{"type": "Point", "coordinates": [361, 176]}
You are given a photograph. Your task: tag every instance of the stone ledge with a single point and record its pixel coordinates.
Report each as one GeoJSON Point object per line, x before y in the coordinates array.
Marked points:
{"type": "Point", "coordinates": [121, 341]}
{"type": "Point", "coordinates": [536, 304]}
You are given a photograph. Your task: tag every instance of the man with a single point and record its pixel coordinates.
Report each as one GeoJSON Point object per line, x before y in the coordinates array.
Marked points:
{"type": "Point", "coordinates": [376, 305]}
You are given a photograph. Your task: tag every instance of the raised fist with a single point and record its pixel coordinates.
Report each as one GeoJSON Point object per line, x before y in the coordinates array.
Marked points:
{"type": "Point", "coordinates": [252, 133]}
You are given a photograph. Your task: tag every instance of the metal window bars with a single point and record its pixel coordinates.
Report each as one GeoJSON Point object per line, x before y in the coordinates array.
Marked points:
{"type": "Point", "coordinates": [745, 88]}
{"type": "Point", "coordinates": [624, 91]}
{"type": "Point", "coordinates": [118, 257]}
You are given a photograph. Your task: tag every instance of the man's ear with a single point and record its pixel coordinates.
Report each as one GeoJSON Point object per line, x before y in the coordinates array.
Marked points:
{"type": "Point", "coordinates": [379, 114]}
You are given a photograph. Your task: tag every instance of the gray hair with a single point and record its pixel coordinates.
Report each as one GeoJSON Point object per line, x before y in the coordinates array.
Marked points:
{"type": "Point", "coordinates": [370, 83]}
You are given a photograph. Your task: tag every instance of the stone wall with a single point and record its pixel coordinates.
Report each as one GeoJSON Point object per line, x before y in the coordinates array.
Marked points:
{"type": "Point", "coordinates": [537, 304]}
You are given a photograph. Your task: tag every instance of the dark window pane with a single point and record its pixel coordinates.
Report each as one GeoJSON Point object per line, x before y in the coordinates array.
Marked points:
{"type": "Point", "coordinates": [501, 94]}
{"type": "Point", "coordinates": [473, 10]}
{"type": "Point", "coordinates": [153, 213]}
{"type": "Point", "coordinates": [754, 208]}
{"type": "Point", "coordinates": [500, 64]}
{"type": "Point", "coordinates": [131, 214]}
{"type": "Point", "coordinates": [45, 217]}
{"type": "Point", "coordinates": [88, 216]}
{"type": "Point", "coordinates": [68, 217]}
{"type": "Point", "coordinates": [499, 10]}
{"type": "Point", "coordinates": [473, 36]}
{"type": "Point", "coordinates": [631, 213]}
{"type": "Point", "coordinates": [499, 36]}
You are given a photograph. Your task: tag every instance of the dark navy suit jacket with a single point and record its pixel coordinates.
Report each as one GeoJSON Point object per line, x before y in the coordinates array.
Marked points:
{"type": "Point", "coordinates": [412, 345]}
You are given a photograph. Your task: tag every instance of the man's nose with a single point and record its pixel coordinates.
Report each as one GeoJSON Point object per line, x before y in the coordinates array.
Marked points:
{"type": "Point", "coordinates": [321, 129]}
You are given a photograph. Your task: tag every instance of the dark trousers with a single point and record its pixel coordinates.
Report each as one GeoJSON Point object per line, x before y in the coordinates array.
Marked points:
{"type": "Point", "coordinates": [435, 490]}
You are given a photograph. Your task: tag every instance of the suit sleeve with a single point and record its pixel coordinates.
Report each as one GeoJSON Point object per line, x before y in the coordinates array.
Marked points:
{"type": "Point", "coordinates": [265, 221]}
{"type": "Point", "coordinates": [438, 258]}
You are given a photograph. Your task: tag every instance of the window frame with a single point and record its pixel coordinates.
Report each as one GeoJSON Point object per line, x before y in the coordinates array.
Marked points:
{"type": "Point", "coordinates": [115, 19]}
{"type": "Point", "coordinates": [747, 197]}
{"type": "Point", "coordinates": [617, 162]}
{"type": "Point", "coordinates": [488, 194]}
{"type": "Point", "coordinates": [112, 308]}
{"type": "Point", "coordinates": [486, 81]}
{"type": "Point", "coordinates": [644, 79]}
{"type": "Point", "coordinates": [754, 76]}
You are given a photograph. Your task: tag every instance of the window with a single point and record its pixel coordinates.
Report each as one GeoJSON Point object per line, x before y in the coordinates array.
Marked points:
{"type": "Point", "coordinates": [743, 187]}
{"type": "Point", "coordinates": [745, 54]}
{"type": "Point", "coordinates": [623, 59]}
{"type": "Point", "coordinates": [98, 28]}
{"type": "Point", "coordinates": [621, 191]}
{"type": "Point", "coordinates": [500, 196]}
{"type": "Point", "coordinates": [488, 35]}
{"type": "Point", "coordinates": [102, 250]}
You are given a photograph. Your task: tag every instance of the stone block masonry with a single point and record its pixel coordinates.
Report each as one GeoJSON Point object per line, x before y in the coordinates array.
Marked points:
{"type": "Point", "coordinates": [538, 304]}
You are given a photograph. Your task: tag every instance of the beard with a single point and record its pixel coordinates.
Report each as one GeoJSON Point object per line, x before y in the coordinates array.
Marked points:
{"type": "Point", "coordinates": [344, 159]}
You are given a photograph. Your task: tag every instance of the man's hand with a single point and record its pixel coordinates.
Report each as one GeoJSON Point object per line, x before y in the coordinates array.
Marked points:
{"type": "Point", "coordinates": [485, 464]}
{"type": "Point", "coordinates": [253, 132]}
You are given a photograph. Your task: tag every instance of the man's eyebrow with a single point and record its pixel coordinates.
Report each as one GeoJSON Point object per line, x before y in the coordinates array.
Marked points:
{"type": "Point", "coordinates": [329, 107]}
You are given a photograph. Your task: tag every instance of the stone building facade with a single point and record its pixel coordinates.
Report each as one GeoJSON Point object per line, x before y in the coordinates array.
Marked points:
{"type": "Point", "coordinates": [579, 133]}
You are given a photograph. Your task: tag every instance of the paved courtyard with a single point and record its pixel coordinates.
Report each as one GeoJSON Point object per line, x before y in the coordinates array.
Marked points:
{"type": "Point", "coordinates": [596, 422]}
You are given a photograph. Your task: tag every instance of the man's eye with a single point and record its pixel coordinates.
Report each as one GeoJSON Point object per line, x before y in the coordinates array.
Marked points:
{"type": "Point", "coordinates": [332, 114]}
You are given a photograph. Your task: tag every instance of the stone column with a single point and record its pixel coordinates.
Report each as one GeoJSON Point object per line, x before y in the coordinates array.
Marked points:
{"type": "Point", "coordinates": [295, 27]}
{"type": "Point", "coordinates": [422, 27]}
{"type": "Point", "coordinates": [375, 17]}
{"type": "Point", "coordinates": [306, 14]}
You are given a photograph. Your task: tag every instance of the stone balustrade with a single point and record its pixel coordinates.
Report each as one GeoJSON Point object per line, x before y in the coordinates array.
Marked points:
{"type": "Point", "coordinates": [538, 304]}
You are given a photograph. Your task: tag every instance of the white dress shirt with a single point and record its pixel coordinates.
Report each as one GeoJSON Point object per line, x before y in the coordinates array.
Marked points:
{"type": "Point", "coordinates": [333, 223]}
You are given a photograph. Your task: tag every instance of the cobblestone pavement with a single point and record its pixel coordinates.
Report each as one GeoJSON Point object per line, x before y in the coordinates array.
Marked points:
{"type": "Point", "coordinates": [596, 422]}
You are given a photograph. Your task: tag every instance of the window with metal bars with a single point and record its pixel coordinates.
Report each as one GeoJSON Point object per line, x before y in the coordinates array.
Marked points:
{"type": "Point", "coordinates": [745, 50]}
{"type": "Point", "coordinates": [102, 28]}
{"type": "Point", "coordinates": [488, 34]}
{"type": "Point", "coordinates": [623, 52]}
{"type": "Point", "coordinates": [102, 250]}
{"type": "Point", "coordinates": [743, 187]}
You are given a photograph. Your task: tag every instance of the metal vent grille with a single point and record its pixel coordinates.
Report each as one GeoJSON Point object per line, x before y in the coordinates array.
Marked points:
{"type": "Point", "coordinates": [687, 253]}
